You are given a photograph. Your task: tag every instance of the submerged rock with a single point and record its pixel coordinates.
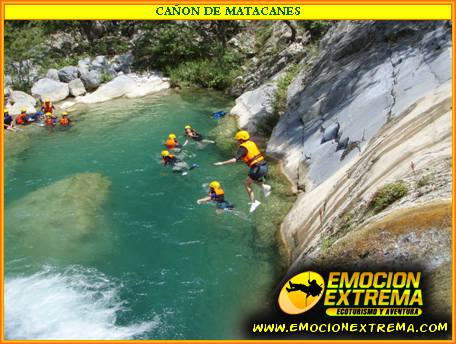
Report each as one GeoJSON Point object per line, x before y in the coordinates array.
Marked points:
{"type": "Point", "coordinates": [58, 219]}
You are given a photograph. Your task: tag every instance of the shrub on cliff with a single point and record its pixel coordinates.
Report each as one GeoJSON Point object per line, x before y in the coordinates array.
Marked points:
{"type": "Point", "coordinates": [387, 195]}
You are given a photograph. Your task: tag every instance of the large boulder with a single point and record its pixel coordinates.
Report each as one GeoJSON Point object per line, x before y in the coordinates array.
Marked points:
{"type": "Point", "coordinates": [48, 88]}
{"type": "Point", "coordinates": [18, 100]}
{"type": "Point", "coordinates": [76, 88]}
{"type": "Point", "coordinates": [53, 74]}
{"type": "Point", "coordinates": [122, 63]}
{"type": "Point", "coordinates": [91, 80]}
{"type": "Point", "coordinates": [66, 74]}
{"type": "Point", "coordinates": [99, 63]}
{"type": "Point", "coordinates": [84, 65]}
{"type": "Point", "coordinates": [254, 106]}
{"type": "Point", "coordinates": [130, 86]}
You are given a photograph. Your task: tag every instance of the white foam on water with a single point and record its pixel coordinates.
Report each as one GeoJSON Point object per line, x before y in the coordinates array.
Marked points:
{"type": "Point", "coordinates": [78, 303]}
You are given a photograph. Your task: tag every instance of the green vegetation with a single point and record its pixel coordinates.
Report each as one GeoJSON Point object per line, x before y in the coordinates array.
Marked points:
{"type": "Point", "coordinates": [191, 52]}
{"type": "Point", "coordinates": [262, 35]}
{"type": "Point", "coordinates": [343, 225]}
{"type": "Point", "coordinates": [316, 28]}
{"type": "Point", "coordinates": [423, 181]}
{"type": "Point", "coordinates": [208, 73]}
{"type": "Point", "coordinates": [22, 52]}
{"type": "Point", "coordinates": [224, 133]}
{"type": "Point", "coordinates": [273, 210]}
{"type": "Point", "coordinates": [268, 123]}
{"type": "Point", "coordinates": [387, 195]}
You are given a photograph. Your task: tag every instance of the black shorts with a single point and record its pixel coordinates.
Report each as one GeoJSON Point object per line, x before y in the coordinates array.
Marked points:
{"type": "Point", "coordinates": [259, 171]}
{"type": "Point", "coordinates": [198, 138]}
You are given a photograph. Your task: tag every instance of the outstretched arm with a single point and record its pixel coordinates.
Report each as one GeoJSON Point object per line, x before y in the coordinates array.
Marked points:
{"type": "Point", "coordinates": [220, 163]}
{"type": "Point", "coordinates": [203, 200]}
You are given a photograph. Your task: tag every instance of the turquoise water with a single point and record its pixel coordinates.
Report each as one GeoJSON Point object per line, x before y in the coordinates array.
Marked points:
{"type": "Point", "coordinates": [156, 265]}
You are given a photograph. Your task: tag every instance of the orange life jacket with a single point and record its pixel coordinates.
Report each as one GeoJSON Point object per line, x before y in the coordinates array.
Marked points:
{"type": "Point", "coordinates": [20, 119]}
{"type": "Point", "coordinates": [253, 155]}
{"type": "Point", "coordinates": [47, 107]}
{"type": "Point", "coordinates": [217, 194]}
{"type": "Point", "coordinates": [171, 143]}
{"type": "Point", "coordinates": [49, 121]}
{"type": "Point", "coordinates": [64, 121]}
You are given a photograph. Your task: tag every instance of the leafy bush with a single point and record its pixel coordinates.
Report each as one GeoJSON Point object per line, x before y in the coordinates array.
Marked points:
{"type": "Point", "coordinates": [262, 35]}
{"type": "Point", "coordinates": [316, 28]}
{"type": "Point", "coordinates": [423, 181]}
{"type": "Point", "coordinates": [267, 124]}
{"type": "Point", "coordinates": [387, 195]}
{"type": "Point", "coordinates": [208, 73]}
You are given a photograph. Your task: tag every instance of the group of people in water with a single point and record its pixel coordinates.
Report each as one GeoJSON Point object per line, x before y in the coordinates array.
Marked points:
{"type": "Point", "coordinates": [45, 117]}
{"type": "Point", "coordinates": [248, 152]}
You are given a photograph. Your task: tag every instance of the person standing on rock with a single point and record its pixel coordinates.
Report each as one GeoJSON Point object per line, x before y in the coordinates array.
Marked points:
{"type": "Point", "coordinates": [254, 159]}
{"type": "Point", "coordinates": [48, 106]}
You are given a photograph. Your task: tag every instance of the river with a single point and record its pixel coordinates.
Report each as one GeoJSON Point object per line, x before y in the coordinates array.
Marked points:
{"type": "Point", "coordinates": [136, 258]}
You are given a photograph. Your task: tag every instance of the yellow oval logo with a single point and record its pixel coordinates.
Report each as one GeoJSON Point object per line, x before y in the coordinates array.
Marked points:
{"type": "Point", "coordinates": [301, 292]}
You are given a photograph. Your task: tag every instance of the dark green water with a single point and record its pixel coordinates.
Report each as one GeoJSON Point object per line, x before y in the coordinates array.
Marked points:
{"type": "Point", "coordinates": [158, 265]}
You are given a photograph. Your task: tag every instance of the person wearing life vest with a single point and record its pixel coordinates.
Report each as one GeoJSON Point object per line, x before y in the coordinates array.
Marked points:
{"type": "Point", "coordinates": [65, 121]}
{"type": "Point", "coordinates": [168, 159]}
{"type": "Point", "coordinates": [47, 106]}
{"type": "Point", "coordinates": [171, 142]}
{"type": "Point", "coordinates": [8, 123]}
{"type": "Point", "coordinates": [22, 118]}
{"type": "Point", "coordinates": [250, 154]}
{"type": "Point", "coordinates": [216, 195]}
{"type": "Point", "coordinates": [191, 133]}
{"type": "Point", "coordinates": [178, 165]}
{"type": "Point", "coordinates": [49, 121]}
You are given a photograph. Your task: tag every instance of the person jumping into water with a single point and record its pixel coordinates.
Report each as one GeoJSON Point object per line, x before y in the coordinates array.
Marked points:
{"type": "Point", "coordinates": [217, 195]}
{"type": "Point", "coordinates": [194, 135]}
{"type": "Point", "coordinates": [251, 155]}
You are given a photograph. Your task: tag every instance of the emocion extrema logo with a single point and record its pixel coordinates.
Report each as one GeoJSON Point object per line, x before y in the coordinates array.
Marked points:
{"type": "Point", "coordinates": [301, 292]}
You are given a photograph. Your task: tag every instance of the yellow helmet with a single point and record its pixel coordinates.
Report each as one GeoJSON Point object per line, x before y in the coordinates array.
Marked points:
{"type": "Point", "coordinates": [214, 185]}
{"type": "Point", "coordinates": [64, 113]}
{"type": "Point", "coordinates": [47, 100]}
{"type": "Point", "coordinates": [242, 135]}
{"type": "Point", "coordinates": [172, 136]}
{"type": "Point", "coordinates": [165, 153]}
{"type": "Point", "coordinates": [5, 111]}
{"type": "Point", "coordinates": [188, 126]}
{"type": "Point", "coordinates": [24, 110]}
{"type": "Point", "coordinates": [48, 114]}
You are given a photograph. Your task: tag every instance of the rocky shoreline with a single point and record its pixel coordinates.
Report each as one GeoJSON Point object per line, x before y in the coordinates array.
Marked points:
{"type": "Point", "coordinates": [92, 81]}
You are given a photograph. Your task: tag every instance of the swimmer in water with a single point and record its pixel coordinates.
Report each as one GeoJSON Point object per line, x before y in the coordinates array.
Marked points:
{"type": "Point", "coordinates": [192, 134]}
{"type": "Point", "coordinates": [217, 195]}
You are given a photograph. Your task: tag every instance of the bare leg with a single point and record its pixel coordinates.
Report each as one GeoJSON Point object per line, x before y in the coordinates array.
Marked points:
{"type": "Point", "coordinates": [248, 186]}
